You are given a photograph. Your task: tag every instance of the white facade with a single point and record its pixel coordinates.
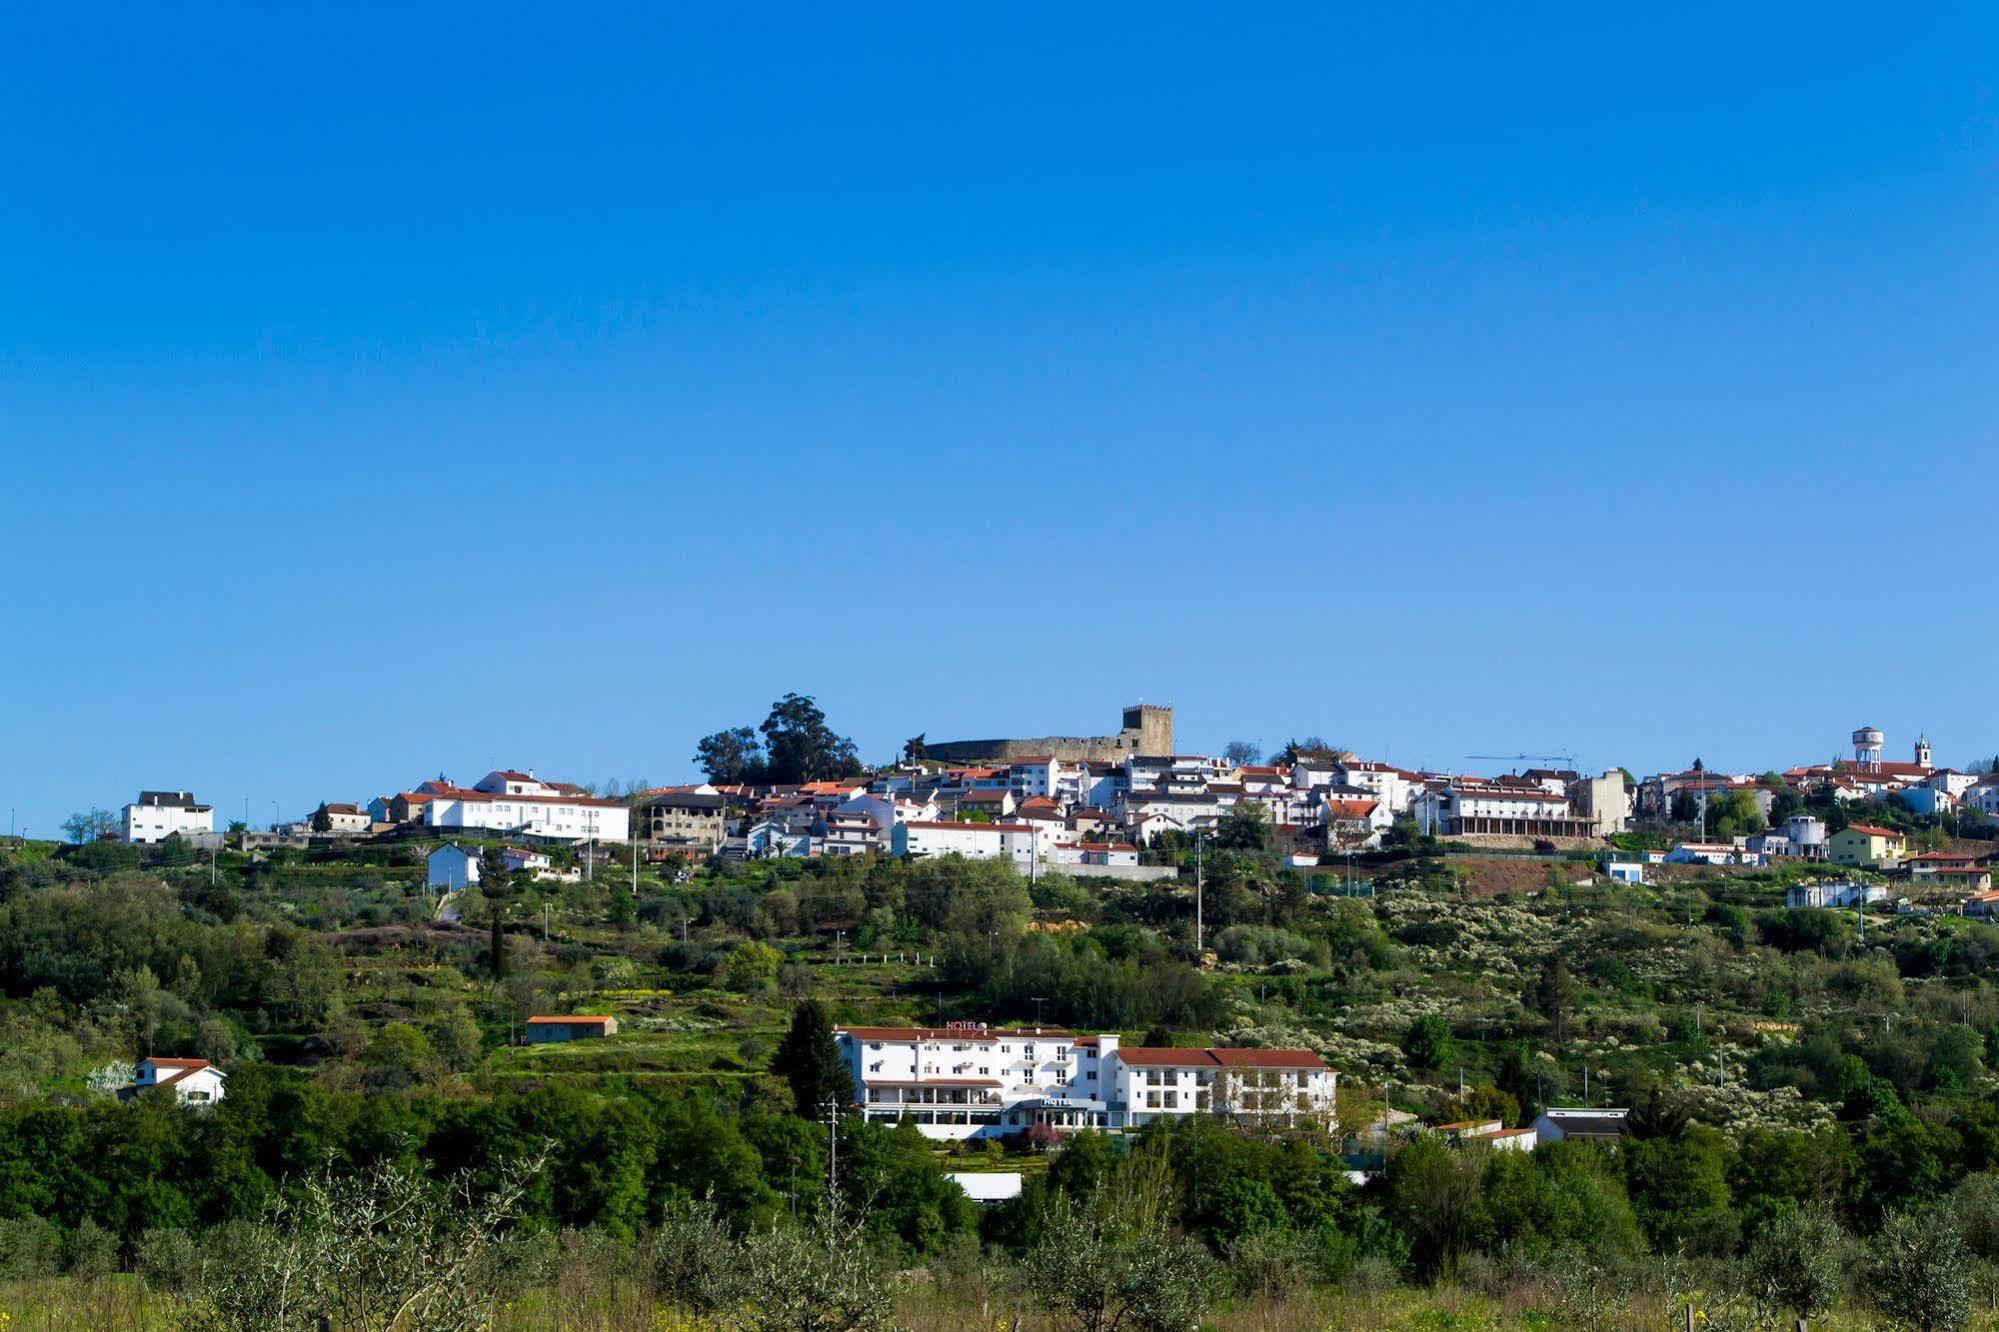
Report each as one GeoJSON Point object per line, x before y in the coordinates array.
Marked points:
{"type": "Point", "coordinates": [1835, 895]}
{"type": "Point", "coordinates": [1094, 853]}
{"type": "Point", "coordinates": [193, 1081]}
{"type": "Point", "coordinates": [347, 819]}
{"type": "Point", "coordinates": [515, 804]}
{"type": "Point", "coordinates": [1704, 853]}
{"type": "Point", "coordinates": [1806, 836]}
{"type": "Point", "coordinates": [1387, 784]}
{"type": "Point", "coordinates": [1927, 801]}
{"type": "Point", "coordinates": [966, 1080]}
{"type": "Point", "coordinates": [975, 841]}
{"type": "Point", "coordinates": [1034, 777]}
{"type": "Point", "coordinates": [158, 815]}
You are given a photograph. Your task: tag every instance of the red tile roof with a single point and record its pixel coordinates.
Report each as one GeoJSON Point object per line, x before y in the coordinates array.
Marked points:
{"type": "Point", "coordinates": [1869, 830]}
{"type": "Point", "coordinates": [573, 1020]}
{"type": "Point", "coordinates": [953, 1033]}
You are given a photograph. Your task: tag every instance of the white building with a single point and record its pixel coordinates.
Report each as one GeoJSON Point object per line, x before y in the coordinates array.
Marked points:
{"type": "Point", "coordinates": [451, 867]}
{"type": "Point", "coordinates": [345, 819]}
{"type": "Point", "coordinates": [1983, 796]}
{"type": "Point", "coordinates": [1477, 808]}
{"type": "Point", "coordinates": [1834, 895]}
{"type": "Point", "coordinates": [1094, 853]}
{"type": "Point", "coordinates": [1705, 853]}
{"type": "Point", "coordinates": [158, 815]}
{"type": "Point", "coordinates": [1394, 788]}
{"type": "Point", "coordinates": [966, 1080]}
{"type": "Point", "coordinates": [524, 859]}
{"type": "Point", "coordinates": [516, 804]}
{"type": "Point", "coordinates": [1556, 1124]}
{"type": "Point", "coordinates": [975, 841]}
{"type": "Point", "coordinates": [194, 1081]}
{"type": "Point", "coordinates": [1927, 802]}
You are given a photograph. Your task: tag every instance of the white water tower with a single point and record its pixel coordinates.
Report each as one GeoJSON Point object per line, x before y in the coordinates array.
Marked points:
{"type": "Point", "coordinates": [1867, 742]}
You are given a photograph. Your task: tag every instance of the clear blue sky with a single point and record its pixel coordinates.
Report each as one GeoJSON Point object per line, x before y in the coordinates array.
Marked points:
{"type": "Point", "coordinates": [386, 393]}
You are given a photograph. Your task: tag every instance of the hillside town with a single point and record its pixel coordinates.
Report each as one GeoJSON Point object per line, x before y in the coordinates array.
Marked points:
{"type": "Point", "coordinates": [1099, 807]}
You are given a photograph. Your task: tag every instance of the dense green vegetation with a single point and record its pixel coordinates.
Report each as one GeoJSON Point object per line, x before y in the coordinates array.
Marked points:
{"type": "Point", "coordinates": [1781, 1064]}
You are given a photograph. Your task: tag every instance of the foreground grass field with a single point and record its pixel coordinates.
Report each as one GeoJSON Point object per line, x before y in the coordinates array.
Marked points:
{"type": "Point", "coordinates": [587, 1298]}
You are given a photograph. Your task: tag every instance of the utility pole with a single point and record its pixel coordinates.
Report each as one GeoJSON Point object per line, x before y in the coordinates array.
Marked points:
{"type": "Point", "coordinates": [833, 1166]}
{"type": "Point", "coordinates": [1039, 1000]}
{"type": "Point", "coordinates": [1197, 899]}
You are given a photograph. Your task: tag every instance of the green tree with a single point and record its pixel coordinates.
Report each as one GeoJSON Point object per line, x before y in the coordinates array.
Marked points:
{"type": "Point", "coordinates": [808, 1059]}
{"type": "Point", "coordinates": [1243, 827]}
{"type": "Point", "coordinates": [1436, 1197]}
{"type": "Point", "coordinates": [1919, 1272]}
{"type": "Point", "coordinates": [732, 757]}
{"type": "Point", "coordinates": [1428, 1042]}
{"type": "Point", "coordinates": [1116, 1262]}
{"type": "Point", "coordinates": [1679, 1189]}
{"type": "Point", "coordinates": [1797, 1262]}
{"type": "Point", "coordinates": [801, 746]}
{"type": "Point", "coordinates": [752, 966]}
{"type": "Point", "coordinates": [1554, 993]}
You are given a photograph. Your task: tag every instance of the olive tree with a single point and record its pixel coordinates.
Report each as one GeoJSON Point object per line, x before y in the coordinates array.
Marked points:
{"type": "Point", "coordinates": [1919, 1272]}
{"type": "Point", "coordinates": [1116, 1263]}
{"type": "Point", "coordinates": [1798, 1262]}
{"type": "Point", "coordinates": [386, 1249]}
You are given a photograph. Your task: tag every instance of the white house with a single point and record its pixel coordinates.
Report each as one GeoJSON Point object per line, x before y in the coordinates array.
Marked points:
{"type": "Point", "coordinates": [988, 1188]}
{"type": "Point", "coordinates": [1835, 895]}
{"type": "Point", "coordinates": [451, 867]}
{"type": "Point", "coordinates": [517, 804]}
{"type": "Point", "coordinates": [525, 859]}
{"type": "Point", "coordinates": [1556, 1124]}
{"type": "Point", "coordinates": [1394, 788]}
{"type": "Point", "coordinates": [1704, 853]}
{"type": "Point", "coordinates": [1927, 802]}
{"type": "Point", "coordinates": [1983, 796]}
{"type": "Point", "coordinates": [1625, 871]}
{"type": "Point", "coordinates": [158, 815]}
{"type": "Point", "coordinates": [967, 1080]}
{"type": "Point", "coordinates": [194, 1081]}
{"type": "Point", "coordinates": [346, 819]}
{"type": "Point", "coordinates": [1095, 853]}
{"type": "Point", "coordinates": [976, 841]}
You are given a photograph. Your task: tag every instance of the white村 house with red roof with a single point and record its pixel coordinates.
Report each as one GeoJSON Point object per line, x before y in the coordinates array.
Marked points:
{"type": "Point", "coordinates": [510, 803]}
{"type": "Point", "coordinates": [193, 1081]}
{"type": "Point", "coordinates": [968, 1080]}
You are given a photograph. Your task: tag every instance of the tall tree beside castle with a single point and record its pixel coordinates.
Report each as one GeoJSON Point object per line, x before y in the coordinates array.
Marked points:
{"type": "Point", "coordinates": [792, 745]}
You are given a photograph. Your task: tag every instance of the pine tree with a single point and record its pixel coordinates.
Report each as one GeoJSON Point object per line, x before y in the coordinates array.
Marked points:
{"type": "Point", "coordinates": [809, 1060]}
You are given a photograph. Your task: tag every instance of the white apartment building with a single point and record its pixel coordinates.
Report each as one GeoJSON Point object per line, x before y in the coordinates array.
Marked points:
{"type": "Point", "coordinates": [516, 804]}
{"type": "Point", "coordinates": [975, 841]}
{"type": "Point", "coordinates": [1394, 788]}
{"type": "Point", "coordinates": [1483, 808]}
{"type": "Point", "coordinates": [158, 815]}
{"type": "Point", "coordinates": [1037, 776]}
{"type": "Point", "coordinates": [966, 1080]}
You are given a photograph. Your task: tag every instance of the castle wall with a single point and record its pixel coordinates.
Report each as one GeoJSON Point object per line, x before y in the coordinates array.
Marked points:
{"type": "Point", "coordinates": [1148, 730]}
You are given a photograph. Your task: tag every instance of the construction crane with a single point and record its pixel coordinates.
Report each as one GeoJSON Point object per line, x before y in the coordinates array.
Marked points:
{"type": "Point", "coordinates": [1568, 761]}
